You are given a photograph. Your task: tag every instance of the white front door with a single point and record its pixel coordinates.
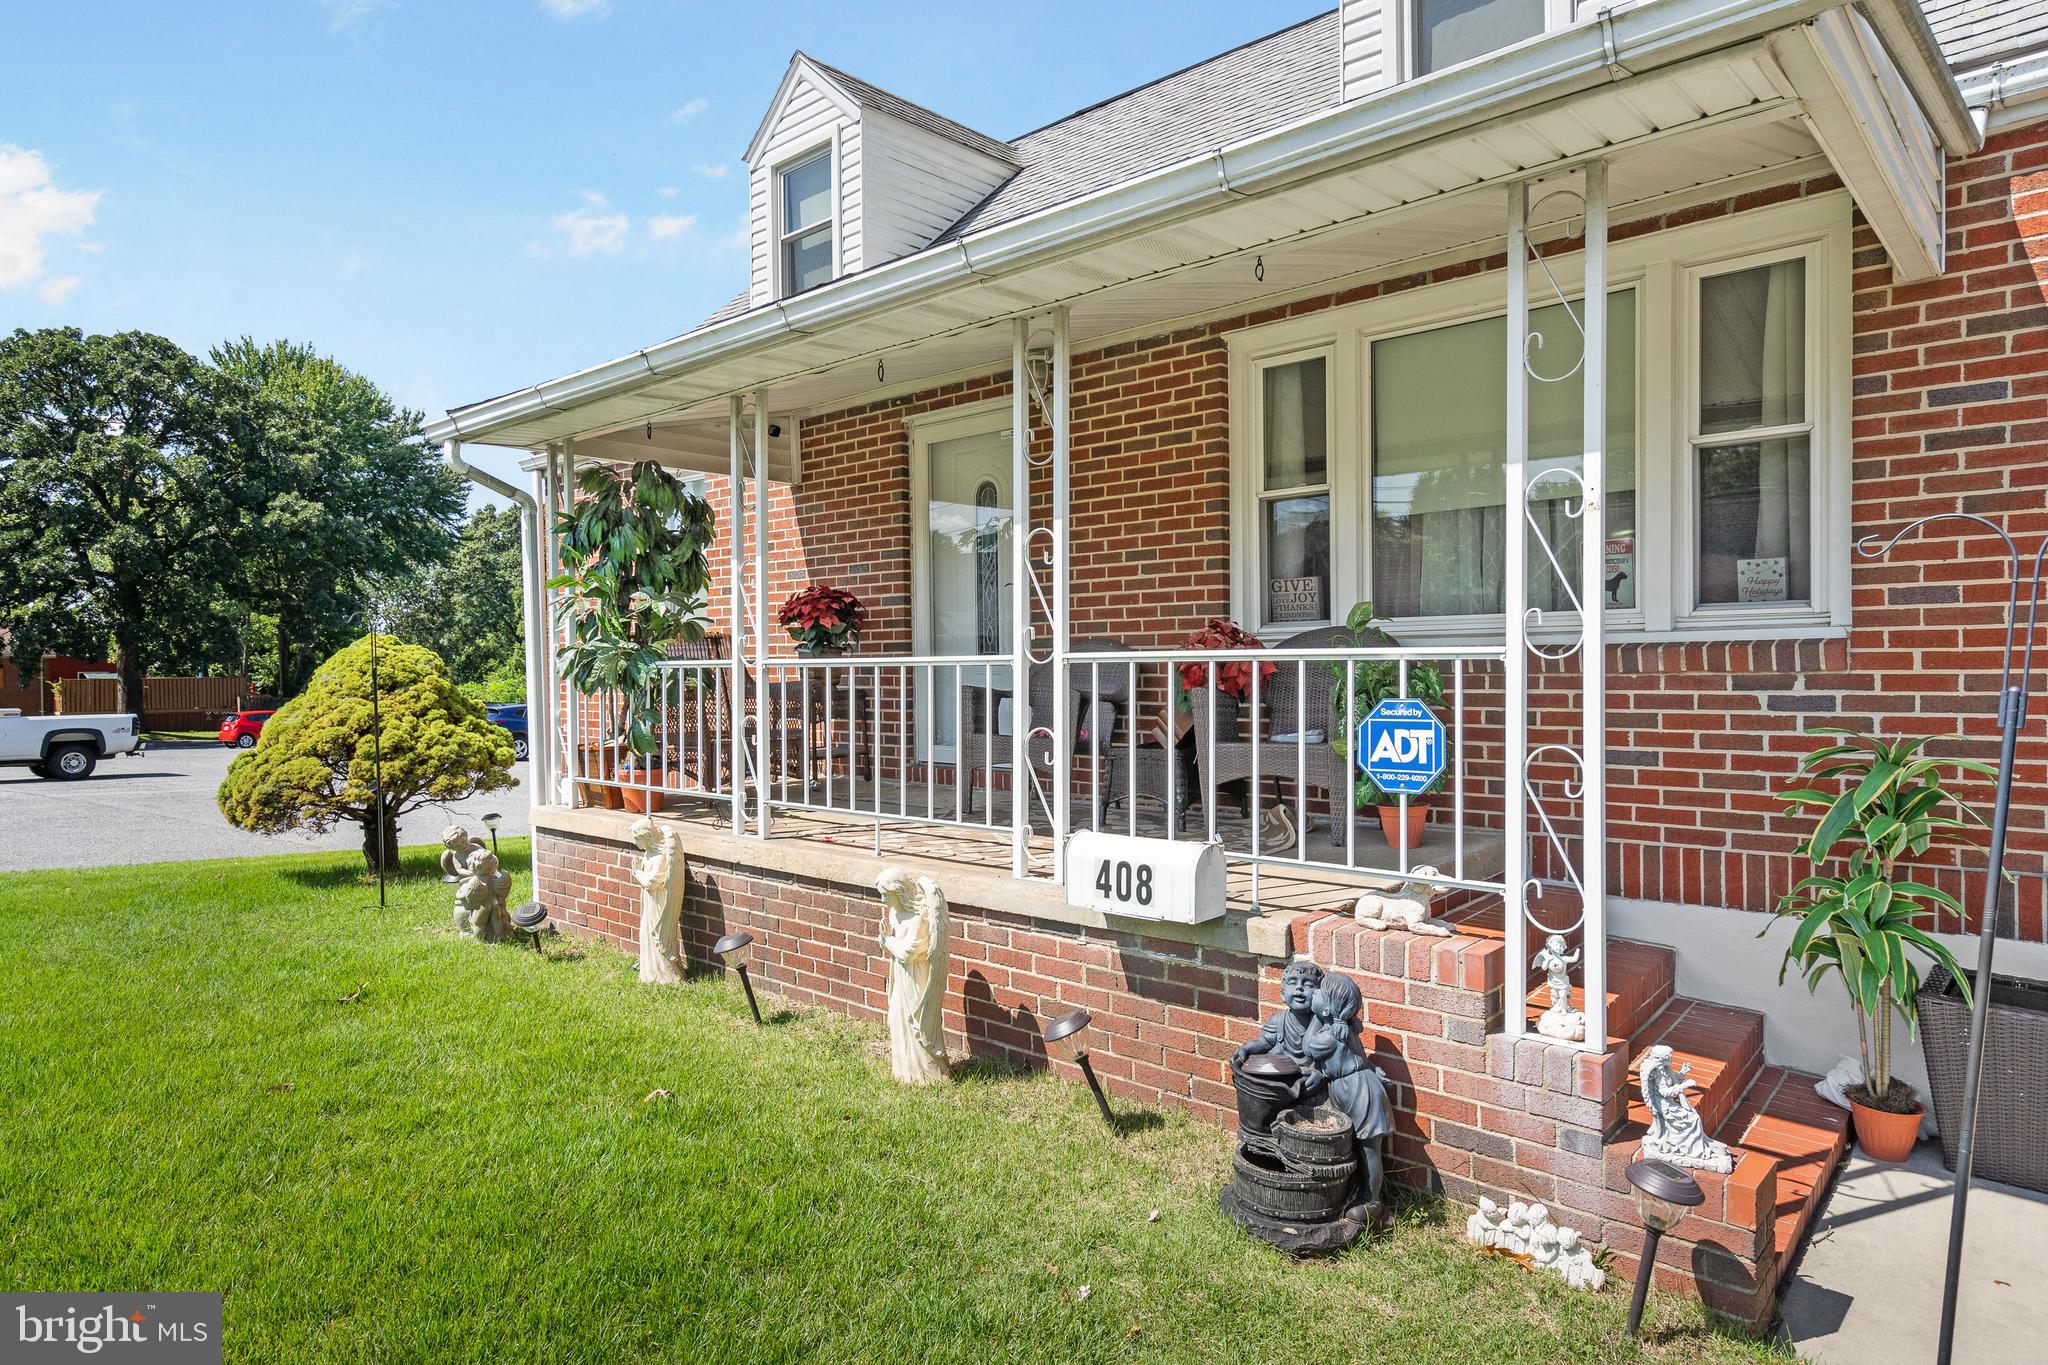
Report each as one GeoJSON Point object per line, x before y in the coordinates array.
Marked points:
{"type": "Point", "coordinates": [964, 523]}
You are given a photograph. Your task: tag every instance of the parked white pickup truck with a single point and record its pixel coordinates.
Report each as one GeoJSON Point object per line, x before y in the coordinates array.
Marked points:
{"type": "Point", "coordinates": [65, 747]}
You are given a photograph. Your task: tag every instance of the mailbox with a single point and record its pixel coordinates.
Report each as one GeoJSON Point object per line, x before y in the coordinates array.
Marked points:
{"type": "Point", "coordinates": [1180, 880]}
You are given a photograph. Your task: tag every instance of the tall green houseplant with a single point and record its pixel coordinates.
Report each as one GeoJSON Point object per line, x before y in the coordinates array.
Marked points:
{"type": "Point", "coordinates": [636, 578]}
{"type": "Point", "coordinates": [1859, 915]}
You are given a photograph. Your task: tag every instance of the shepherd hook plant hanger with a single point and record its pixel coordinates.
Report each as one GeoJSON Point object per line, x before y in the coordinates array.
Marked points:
{"type": "Point", "coordinates": [2012, 716]}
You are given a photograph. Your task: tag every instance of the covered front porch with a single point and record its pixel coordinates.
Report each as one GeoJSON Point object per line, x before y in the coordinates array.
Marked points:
{"type": "Point", "coordinates": [1515, 171]}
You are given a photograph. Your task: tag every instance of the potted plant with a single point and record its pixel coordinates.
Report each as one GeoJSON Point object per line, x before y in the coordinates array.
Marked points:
{"type": "Point", "coordinates": [1233, 679]}
{"type": "Point", "coordinates": [634, 582]}
{"type": "Point", "coordinates": [1859, 916]}
{"type": "Point", "coordinates": [823, 620]}
{"type": "Point", "coordinates": [1370, 682]}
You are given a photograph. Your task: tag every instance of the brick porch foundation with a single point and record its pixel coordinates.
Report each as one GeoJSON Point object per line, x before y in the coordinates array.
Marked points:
{"type": "Point", "coordinates": [1477, 1112]}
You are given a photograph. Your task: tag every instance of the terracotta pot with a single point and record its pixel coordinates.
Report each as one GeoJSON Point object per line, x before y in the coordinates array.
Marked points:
{"type": "Point", "coordinates": [638, 800]}
{"type": "Point", "coordinates": [1391, 824]}
{"type": "Point", "coordinates": [1885, 1136]}
{"type": "Point", "coordinates": [599, 762]}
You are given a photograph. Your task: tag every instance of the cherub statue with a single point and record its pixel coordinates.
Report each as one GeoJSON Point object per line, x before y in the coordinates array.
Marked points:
{"type": "Point", "coordinates": [1560, 1021]}
{"type": "Point", "coordinates": [1287, 1030]}
{"type": "Point", "coordinates": [1576, 1264]}
{"type": "Point", "coordinates": [914, 935]}
{"type": "Point", "coordinates": [1356, 1087]}
{"type": "Point", "coordinates": [458, 845]}
{"type": "Point", "coordinates": [1405, 908]}
{"type": "Point", "coordinates": [659, 874]}
{"type": "Point", "coordinates": [480, 899]}
{"type": "Point", "coordinates": [1484, 1226]}
{"type": "Point", "coordinates": [1676, 1133]}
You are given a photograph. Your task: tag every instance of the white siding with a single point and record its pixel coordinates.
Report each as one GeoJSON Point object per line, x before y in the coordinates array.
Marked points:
{"type": "Point", "coordinates": [1371, 36]}
{"type": "Point", "coordinates": [915, 185]}
{"type": "Point", "coordinates": [810, 117]}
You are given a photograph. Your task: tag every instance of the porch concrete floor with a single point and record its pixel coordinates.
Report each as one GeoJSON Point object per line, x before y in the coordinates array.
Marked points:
{"type": "Point", "coordinates": [1869, 1286]}
{"type": "Point", "coordinates": [1281, 886]}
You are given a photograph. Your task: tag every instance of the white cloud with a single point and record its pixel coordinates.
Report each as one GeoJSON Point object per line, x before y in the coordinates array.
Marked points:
{"type": "Point", "coordinates": [574, 9]}
{"type": "Point", "coordinates": [33, 210]}
{"type": "Point", "coordinates": [595, 199]}
{"type": "Point", "coordinates": [685, 113]}
{"type": "Point", "coordinates": [343, 15]}
{"type": "Point", "coordinates": [671, 224]}
{"type": "Point", "coordinates": [711, 172]}
{"type": "Point", "coordinates": [668, 191]}
{"type": "Point", "coordinates": [57, 288]}
{"type": "Point", "coordinates": [593, 234]}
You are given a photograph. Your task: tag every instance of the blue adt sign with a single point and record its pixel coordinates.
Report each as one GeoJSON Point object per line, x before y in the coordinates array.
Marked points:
{"type": "Point", "coordinates": [1401, 746]}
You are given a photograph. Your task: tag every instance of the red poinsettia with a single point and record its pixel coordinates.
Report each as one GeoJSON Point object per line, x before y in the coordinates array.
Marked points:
{"type": "Point", "coordinates": [1233, 679]}
{"type": "Point", "coordinates": [823, 617]}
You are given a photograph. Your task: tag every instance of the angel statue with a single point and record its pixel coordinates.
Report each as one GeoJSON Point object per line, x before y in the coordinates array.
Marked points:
{"type": "Point", "coordinates": [914, 935]}
{"type": "Point", "coordinates": [480, 899]}
{"type": "Point", "coordinates": [458, 846]}
{"type": "Point", "coordinates": [659, 874]}
{"type": "Point", "coordinates": [1560, 1021]}
{"type": "Point", "coordinates": [1676, 1134]}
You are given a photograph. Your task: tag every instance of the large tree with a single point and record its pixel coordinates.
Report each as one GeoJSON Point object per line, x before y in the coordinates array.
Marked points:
{"type": "Point", "coordinates": [467, 608]}
{"type": "Point", "coordinates": [328, 753]}
{"type": "Point", "coordinates": [350, 492]}
{"type": "Point", "coordinates": [122, 484]}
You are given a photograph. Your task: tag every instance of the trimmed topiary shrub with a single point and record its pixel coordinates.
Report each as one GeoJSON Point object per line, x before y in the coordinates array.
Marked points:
{"type": "Point", "coordinates": [315, 762]}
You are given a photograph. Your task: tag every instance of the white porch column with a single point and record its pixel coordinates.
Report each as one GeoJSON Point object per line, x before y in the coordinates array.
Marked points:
{"type": "Point", "coordinates": [1514, 598]}
{"type": "Point", "coordinates": [1020, 601]}
{"type": "Point", "coordinates": [761, 609]}
{"type": "Point", "coordinates": [1593, 589]}
{"type": "Point", "coordinates": [1062, 691]}
{"type": "Point", "coordinates": [540, 651]}
{"type": "Point", "coordinates": [736, 523]}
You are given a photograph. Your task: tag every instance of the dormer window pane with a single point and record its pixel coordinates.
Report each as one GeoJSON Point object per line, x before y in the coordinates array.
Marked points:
{"type": "Point", "coordinates": [807, 194]}
{"type": "Point", "coordinates": [807, 224]}
{"type": "Point", "coordinates": [1451, 31]}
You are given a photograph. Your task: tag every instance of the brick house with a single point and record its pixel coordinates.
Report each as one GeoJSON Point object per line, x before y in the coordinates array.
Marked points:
{"type": "Point", "coordinates": [1301, 325]}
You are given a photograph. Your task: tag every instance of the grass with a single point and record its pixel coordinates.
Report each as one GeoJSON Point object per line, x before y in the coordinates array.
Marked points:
{"type": "Point", "coordinates": [384, 1143]}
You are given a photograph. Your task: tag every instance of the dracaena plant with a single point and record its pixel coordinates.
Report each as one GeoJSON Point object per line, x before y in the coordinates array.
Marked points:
{"type": "Point", "coordinates": [634, 581]}
{"type": "Point", "coordinates": [1860, 915]}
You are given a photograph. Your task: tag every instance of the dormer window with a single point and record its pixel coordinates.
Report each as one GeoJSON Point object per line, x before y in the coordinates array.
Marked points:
{"type": "Point", "coordinates": [1448, 32]}
{"type": "Point", "coordinates": [807, 223]}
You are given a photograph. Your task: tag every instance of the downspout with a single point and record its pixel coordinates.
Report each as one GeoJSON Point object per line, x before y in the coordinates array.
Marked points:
{"type": "Point", "coordinates": [538, 775]}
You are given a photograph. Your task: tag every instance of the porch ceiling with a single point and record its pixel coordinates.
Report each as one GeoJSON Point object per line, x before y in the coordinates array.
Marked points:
{"type": "Point", "coordinates": [1677, 131]}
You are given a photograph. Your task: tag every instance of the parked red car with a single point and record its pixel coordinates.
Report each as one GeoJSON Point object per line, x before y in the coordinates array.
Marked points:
{"type": "Point", "coordinates": [241, 729]}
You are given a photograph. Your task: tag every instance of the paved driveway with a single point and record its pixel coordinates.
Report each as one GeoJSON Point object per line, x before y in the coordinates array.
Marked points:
{"type": "Point", "coordinates": [160, 808]}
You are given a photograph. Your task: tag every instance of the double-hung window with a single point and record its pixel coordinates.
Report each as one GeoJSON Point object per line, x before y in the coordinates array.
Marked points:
{"type": "Point", "coordinates": [806, 236]}
{"type": "Point", "coordinates": [1294, 489]}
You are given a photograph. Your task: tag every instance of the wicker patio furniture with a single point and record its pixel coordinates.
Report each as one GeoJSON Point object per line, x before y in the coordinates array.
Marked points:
{"type": "Point", "coordinates": [1296, 701]}
{"type": "Point", "coordinates": [971, 763]}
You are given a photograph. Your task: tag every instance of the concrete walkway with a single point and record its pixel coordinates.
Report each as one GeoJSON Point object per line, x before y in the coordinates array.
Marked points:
{"type": "Point", "coordinates": [1869, 1287]}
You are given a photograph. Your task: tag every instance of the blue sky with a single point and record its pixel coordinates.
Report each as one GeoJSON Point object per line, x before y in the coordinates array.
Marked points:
{"type": "Point", "coordinates": [463, 198]}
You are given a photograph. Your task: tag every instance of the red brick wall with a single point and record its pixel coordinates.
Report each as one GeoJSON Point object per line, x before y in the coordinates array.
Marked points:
{"type": "Point", "coordinates": [1950, 413]}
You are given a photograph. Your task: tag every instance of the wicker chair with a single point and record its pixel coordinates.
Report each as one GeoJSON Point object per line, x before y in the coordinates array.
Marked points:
{"type": "Point", "coordinates": [1289, 710]}
{"type": "Point", "coordinates": [971, 758]}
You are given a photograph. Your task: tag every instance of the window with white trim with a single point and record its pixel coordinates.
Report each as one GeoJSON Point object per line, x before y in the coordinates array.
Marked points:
{"type": "Point", "coordinates": [805, 242]}
{"type": "Point", "coordinates": [1446, 33]}
{"type": "Point", "coordinates": [1369, 443]}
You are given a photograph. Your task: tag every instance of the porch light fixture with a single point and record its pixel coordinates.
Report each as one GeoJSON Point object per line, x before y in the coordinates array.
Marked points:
{"type": "Point", "coordinates": [491, 819]}
{"type": "Point", "coordinates": [1063, 1040]}
{"type": "Point", "coordinates": [530, 917]}
{"type": "Point", "coordinates": [734, 950]}
{"type": "Point", "coordinates": [1663, 1193]}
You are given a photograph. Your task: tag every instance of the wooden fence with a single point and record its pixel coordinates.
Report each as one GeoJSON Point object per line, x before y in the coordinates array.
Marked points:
{"type": "Point", "coordinates": [172, 703]}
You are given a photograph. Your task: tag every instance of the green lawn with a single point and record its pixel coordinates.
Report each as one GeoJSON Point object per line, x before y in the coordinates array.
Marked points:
{"type": "Point", "coordinates": [387, 1144]}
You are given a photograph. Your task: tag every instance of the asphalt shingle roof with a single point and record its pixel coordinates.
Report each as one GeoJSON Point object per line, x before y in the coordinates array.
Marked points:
{"type": "Point", "coordinates": [875, 97]}
{"type": "Point", "coordinates": [1977, 33]}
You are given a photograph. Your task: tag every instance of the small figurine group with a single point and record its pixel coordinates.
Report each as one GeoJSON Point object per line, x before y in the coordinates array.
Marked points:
{"type": "Point", "coordinates": [480, 886]}
{"type": "Point", "coordinates": [1526, 1230]}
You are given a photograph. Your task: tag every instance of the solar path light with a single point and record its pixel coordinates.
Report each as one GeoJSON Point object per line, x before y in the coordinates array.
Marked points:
{"type": "Point", "coordinates": [1663, 1193]}
{"type": "Point", "coordinates": [1064, 1039]}
{"type": "Point", "coordinates": [734, 950]}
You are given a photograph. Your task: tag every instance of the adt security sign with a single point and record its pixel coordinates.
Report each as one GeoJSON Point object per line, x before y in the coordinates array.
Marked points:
{"type": "Point", "coordinates": [1401, 746]}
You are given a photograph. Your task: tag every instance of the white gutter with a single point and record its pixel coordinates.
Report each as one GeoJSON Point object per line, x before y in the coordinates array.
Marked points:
{"type": "Point", "coordinates": [1570, 61]}
{"type": "Point", "coordinates": [2008, 93]}
{"type": "Point", "coordinates": [539, 771]}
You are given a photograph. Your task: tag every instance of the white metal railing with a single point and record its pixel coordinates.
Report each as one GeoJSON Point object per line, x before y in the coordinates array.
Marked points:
{"type": "Point", "coordinates": [689, 712]}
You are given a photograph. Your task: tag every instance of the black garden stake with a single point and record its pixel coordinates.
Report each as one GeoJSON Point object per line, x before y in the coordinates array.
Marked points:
{"type": "Point", "coordinates": [2012, 715]}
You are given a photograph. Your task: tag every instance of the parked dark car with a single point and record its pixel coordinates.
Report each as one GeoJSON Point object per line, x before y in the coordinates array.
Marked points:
{"type": "Point", "coordinates": [509, 716]}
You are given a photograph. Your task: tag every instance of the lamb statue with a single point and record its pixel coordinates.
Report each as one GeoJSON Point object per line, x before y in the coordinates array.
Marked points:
{"type": "Point", "coordinates": [659, 874]}
{"type": "Point", "coordinates": [1404, 908]}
